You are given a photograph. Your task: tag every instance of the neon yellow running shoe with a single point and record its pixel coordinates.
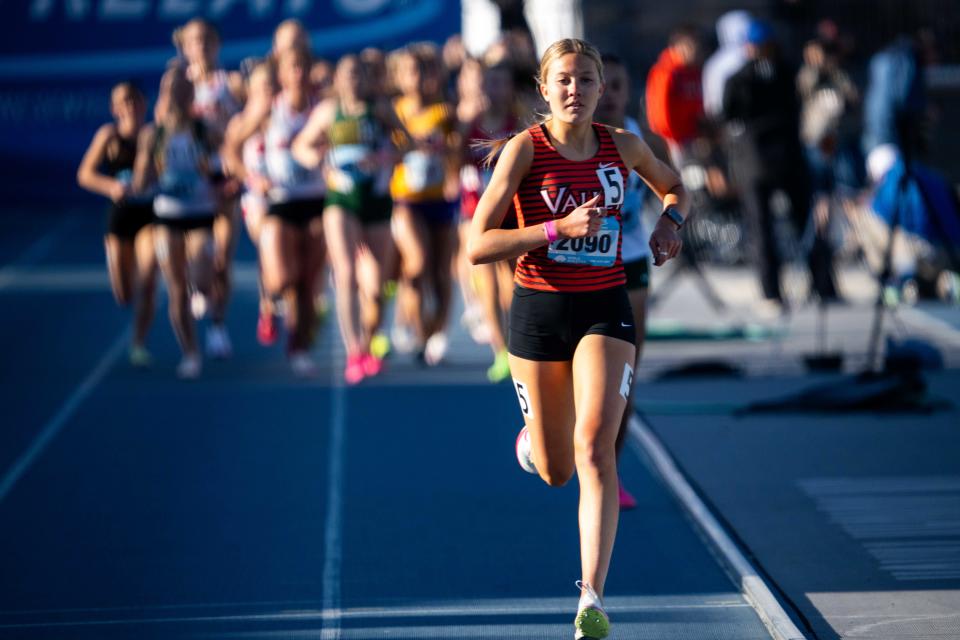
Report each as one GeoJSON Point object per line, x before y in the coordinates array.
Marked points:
{"type": "Point", "coordinates": [380, 346]}
{"type": "Point", "coordinates": [591, 622]}
{"type": "Point", "coordinates": [500, 369]}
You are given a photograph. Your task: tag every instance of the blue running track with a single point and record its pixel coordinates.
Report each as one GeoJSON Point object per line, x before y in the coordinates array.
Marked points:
{"type": "Point", "coordinates": [249, 504]}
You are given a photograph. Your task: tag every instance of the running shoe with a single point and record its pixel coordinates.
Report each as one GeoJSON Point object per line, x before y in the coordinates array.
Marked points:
{"type": "Point", "coordinates": [302, 364]}
{"type": "Point", "coordinates": [500, 369]}
{"type": "Point", "coordinates": [353, 373]}
{"type": "Point", "coordinates": [402, 339]}
{"type": "Point", "coordinates": [475, 324]}
{"type": "Point", "coordinates": [189, 367]}
{"type": "Point", "coordinates": [591, 622]}
{"type": "Point", "coordinates": [436, 349]}
{"type": "Point", "coordinates": [266, 330]}
{"type": "Point", "coordinates": [525, 451]}
{"type": "Point", "coordinates": [198, 305]}
{"type": "Point", "coordinates": [140, 357]}
{"type": "Point", "coordinates": [380, 346]}
{"type": "Point", "coordinates": [372, 365]}
{"type": "Point", "coordinates": [627, 501]}
{"type": "Point", "coordinates": [218, 342]}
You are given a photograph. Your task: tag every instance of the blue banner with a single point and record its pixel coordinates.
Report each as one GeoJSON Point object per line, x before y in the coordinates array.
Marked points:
{"type": "Point", "coordinates": [59, 58]}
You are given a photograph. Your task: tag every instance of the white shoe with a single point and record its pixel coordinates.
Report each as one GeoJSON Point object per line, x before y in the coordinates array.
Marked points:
{"type": "Point", "coordinates": [476, 325]}
{"type": "Point", "coordinates": [525, 451]}
{"type": "Point", "coordinates": [198, 305]}
{"type": "Point", "coordinates": [436, 349]}
{"type": "Point", "coordinates": [189, 367]}
{"type": "Point", "coordinates": [402, 339]}
{"type": "Point", "coordinates": [218, 342]}
{"type": "Point", "coordinates": [303, 365]}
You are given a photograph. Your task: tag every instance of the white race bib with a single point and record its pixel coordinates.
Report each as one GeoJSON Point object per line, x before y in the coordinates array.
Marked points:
{"type": "Point", "coordinates": [612, 181]}
{"type": "Point", "coordinates": [597, 251]}
{"type": "Point", "coordinates": [422, 170]}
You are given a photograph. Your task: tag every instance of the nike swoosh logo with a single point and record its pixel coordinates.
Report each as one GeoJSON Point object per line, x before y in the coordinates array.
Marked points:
{"type": "Point", "coordinates": [625, 325]}
{"type": "Point", "coordinates": [604, 165]}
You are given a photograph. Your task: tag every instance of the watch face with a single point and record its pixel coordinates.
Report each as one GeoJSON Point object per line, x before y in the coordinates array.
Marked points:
{"type": "Point", "coordinates": [674, 215]}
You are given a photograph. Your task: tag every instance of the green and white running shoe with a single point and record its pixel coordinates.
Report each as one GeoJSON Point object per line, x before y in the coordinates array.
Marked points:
{"type": "Point", "coordinates": [591, 622]}
{"type": "Point", "coordinates": [140, 357]}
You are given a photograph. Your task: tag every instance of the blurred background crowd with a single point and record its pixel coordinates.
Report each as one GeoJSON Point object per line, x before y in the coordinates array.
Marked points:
{"type": "Point", "coordinates": [805, 130]}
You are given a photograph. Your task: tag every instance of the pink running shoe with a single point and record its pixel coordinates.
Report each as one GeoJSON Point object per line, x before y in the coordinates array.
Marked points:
{"type": "Point", "coordinates": [353, 373]}
{"type": "Point", "coordinates": [266, 330]}
{"type": "Point", "coordinates": [627, 501]}
{"type": "Point", "coordinates": [372, 365]}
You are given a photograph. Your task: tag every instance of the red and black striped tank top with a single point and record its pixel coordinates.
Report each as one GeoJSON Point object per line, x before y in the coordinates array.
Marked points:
{"type": "Point", "coordinates": [553, 188]}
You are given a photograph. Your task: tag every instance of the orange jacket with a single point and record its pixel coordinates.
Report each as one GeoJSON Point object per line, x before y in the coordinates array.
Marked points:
{"type": "Point", "coordinates": [674, 98]}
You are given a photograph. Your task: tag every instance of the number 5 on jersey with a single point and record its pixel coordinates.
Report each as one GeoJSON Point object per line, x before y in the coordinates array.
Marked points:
{"type": "Point", "coordinates": [523, 398]}
{"type": "Point", "coordinates": [612, 181]}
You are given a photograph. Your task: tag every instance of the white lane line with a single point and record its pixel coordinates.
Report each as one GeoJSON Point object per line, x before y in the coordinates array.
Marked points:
{"type": "Point", "coordinates": [66, 277]}
{"type": "Point", "coordinates": [56, 424]}
{"type": "Point", "coordinates": [754, 589]}
{"type": "Point", "coordinates": [519, 608]}
{"type": "Point", "coordinates": [332, 539]}
{"type": "Point", "coordinates": [941, 329]}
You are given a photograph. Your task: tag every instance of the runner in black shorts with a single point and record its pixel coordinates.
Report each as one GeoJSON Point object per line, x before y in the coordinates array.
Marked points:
{"type": "Point", "coordinates": [107, 169]}
{"type": "Point", "coordinates": [571, 336]}
{"type": "Point", "coordinates": [217, 97]}
{"type": "Point", "coordinates": [425, 190]}
{"type": "Point", "coordinates": [291, 235]}
{"type": "Point", "coordinates": [173, 163]}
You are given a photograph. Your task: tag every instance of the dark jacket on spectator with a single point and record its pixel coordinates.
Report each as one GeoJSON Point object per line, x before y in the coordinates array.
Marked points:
{"type": "Point", "coordinates": [760, 103]}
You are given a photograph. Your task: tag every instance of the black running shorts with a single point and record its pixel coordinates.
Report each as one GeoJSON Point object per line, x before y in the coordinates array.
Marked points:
{"type": "Point", "coordinates": [297, 212]}
{"type": "Point", "coordinates": [548, 325]}
{"type": "Point", "coordinates": [126, 219]}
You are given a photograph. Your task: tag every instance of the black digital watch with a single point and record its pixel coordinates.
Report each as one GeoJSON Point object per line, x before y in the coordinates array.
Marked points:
{"type": "Point", "coordinates": [674, 216]}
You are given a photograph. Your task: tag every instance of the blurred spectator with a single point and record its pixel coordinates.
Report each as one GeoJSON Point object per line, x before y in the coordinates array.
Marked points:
{"type": "Point", "coordinates": [895, 100]}
{"type": "Point", "coordinates": [726, 60]}
{"type": "Point", "coordinates": [760, 102]}
{"type": "Point", "coordinates": [828, 96]}
{"type": "Point", "coordinates": [675, 95]}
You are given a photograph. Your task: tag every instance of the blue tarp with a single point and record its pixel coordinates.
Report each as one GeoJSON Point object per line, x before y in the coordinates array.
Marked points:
{"type": "Point", "coordinates": [915, 218]}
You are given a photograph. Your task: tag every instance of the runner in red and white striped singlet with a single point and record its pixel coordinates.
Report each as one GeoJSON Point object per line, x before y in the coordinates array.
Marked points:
{"type": "Point", "coordinates": [554, 187]}
{"type": "Point", "coordinates": [571, 327]}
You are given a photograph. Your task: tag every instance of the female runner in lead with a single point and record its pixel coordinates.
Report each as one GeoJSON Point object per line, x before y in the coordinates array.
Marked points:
{"type": "Point", "coordinates": [571, 338]}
